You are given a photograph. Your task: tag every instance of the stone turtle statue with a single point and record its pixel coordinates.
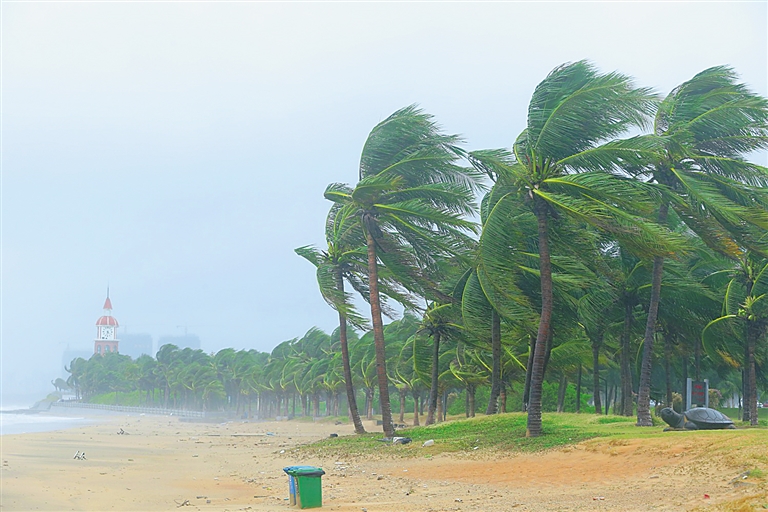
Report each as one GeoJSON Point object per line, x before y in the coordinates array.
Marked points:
{"type": "Point", "coordinates": [698, 418]}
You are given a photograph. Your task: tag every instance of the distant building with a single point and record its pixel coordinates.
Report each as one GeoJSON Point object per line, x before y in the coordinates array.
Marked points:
{"type": "Point", "coordinates": [135, 345]}
{"type": "Point", "coordinates": [106, 331]}
{"type": "Point", "coordinates": [187, 340]}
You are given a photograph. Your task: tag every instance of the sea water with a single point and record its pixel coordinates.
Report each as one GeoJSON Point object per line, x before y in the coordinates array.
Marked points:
{"type": "Point", "coordinates": [12, 422]}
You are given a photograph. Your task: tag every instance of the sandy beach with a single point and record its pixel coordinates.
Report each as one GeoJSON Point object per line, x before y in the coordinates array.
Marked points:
{"type": "Point", "coordinates": [167, 464]}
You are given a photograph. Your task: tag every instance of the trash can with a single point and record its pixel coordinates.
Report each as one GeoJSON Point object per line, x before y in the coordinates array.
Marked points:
{"type": "Point", "coordinates": [305, 486]}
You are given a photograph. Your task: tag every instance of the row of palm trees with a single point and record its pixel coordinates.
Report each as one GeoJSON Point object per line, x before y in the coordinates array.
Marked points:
{"type": "Point", "coordinates": [587, 253]}
{"type": "Point", "coordinates": [577, 223]}
{"type": "Point", "coordinates": [307, 368]}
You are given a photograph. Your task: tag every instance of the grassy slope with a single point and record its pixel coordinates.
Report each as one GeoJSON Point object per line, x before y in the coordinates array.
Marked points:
{"type": "Point", "coordinates": [503, 433]}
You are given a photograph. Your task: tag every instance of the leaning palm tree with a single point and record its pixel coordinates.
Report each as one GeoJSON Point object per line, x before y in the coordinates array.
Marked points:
{"type": "Point", "coordinates": [566, 164]}
{"type": "Point", "coordinates": [703, 130]}
{"type": "Point", "coordinates": [343, 260]}
{"type": "Point", "coordinates": [411, 201]}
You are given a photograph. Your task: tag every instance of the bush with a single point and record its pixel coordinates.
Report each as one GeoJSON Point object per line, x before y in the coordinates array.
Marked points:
{"type": "Point", "coordinates": [714, 398]}
{"type": "Point", "coordinates": [677, 402]}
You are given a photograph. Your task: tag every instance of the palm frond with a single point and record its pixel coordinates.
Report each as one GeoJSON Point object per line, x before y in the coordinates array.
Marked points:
{"type": "Point", "coordinates": [576, 108]}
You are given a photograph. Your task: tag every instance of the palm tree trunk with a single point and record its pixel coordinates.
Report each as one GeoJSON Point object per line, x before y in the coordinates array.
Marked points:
{"type": "Point", "coordinates": [503, 397]}
{"type": "Point", "coordinates": [596, 375]}
{"type": "Point", "coordinates": [539, 355]}
{"type": "Point", "coordinates": [354, 413]}
{"type": "Point", "coordinates": [496, 371]}
{"type": "Point", "coordinates": [466, 402]}
{"type": "Point", "coordinates": [697, 360]}
{"type": "Point", "coordinates": [684, 406]}
{"type": "Point", "coordinates": [644, 389]}
{"type": "Point", "coordinates": [435, 376]}
{"type": "Point", "coordinates": [578, 390]}
{"type": "Point", "coordinates": [402, 405]}
{"type": "Point", "coordinates": [751, 374]}
{"type": "Point", "coordinates": [561, 393]}
{"type": "Point", "coordinates": [415, 408]}
{"type": "Point", "coordinates": [369, 392]}
{"type": "Point", "coordinates": [627, 404]}
{"type": "Point", "coordinates": [668, 369]}
{"type": "Point", "coordinates": [378, 338]}
{"type": "Point", "coordinates": [471, 395]}
{"type": "Point", "coordinates": [439, 411]}
{"type": "Point", "coordinates": [528, 371]}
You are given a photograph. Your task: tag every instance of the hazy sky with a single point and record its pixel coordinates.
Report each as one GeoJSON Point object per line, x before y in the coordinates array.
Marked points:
{"type": "Point", "coordinates": [178, 151]}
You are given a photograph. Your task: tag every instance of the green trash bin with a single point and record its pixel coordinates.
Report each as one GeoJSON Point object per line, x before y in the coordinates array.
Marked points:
{"type": "Point", "coordinates": [305, 486]}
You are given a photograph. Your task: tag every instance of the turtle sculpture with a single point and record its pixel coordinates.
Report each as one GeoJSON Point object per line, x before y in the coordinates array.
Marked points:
{"type": "Point", "coordinates": [698, 418]}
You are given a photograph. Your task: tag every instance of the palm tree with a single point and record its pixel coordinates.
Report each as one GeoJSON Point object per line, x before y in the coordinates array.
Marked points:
{"type": "Point", "coordinates": [406, 379]}
{"type": "Point", "coordinates": [166, 357]}
{"type": "Point", "coordinates": [565, 164]}
{"type": "Point", "coordinates": [703, 129]}
{"type": "Point", "coordinates": [744, 318]}
{"type": "Point", "coordinates": [410, 201]}
{"type": "Point", "coordinates": [343, 260]}
{"type": "Point", "coordinates": [440, 322]}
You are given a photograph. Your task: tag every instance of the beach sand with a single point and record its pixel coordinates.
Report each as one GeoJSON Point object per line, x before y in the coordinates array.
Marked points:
{"type": "Point", "coordinates": [166, 464]}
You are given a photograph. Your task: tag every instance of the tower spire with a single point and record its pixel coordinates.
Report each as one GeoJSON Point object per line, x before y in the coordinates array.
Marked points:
{"type": "Point", "coordinates": [107, 302]}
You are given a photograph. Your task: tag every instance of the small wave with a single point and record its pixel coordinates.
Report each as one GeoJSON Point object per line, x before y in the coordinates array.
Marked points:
{"type": "Point", "coordinates": [27, 423]}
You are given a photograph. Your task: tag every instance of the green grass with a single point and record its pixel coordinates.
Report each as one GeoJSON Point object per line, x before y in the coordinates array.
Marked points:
{"type": "Point", "coordinates": [503, 433]}
{"type": "Point", "coordinates": [733, 413]}
{"type": "Point", "coordinates": [500, 433]}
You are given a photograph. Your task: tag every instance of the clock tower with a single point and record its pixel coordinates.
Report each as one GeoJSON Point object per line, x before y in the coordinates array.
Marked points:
{"type": "Point", "coordinates": [106, 331]}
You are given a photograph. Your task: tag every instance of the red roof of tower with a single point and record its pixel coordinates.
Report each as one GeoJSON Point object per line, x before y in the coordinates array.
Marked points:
{"type": "Point", "coordinates": [107, 320]}
{"type": "Point", "coordinates": [107, 303]}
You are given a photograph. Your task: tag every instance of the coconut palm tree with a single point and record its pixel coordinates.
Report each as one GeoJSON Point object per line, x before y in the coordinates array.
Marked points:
{"type": "Point", "coordinates": [565, 164]}
{"type": "Point", "coordinates": [343, 260]}
{"type": "Point", "coordinates": [703, 131]}
{"type": "Point", "coordinates": [440, 322]}
{"type": "Point", "coordinates": [411, 201]}
{"type": "Point", "coordinates": [744, 318]}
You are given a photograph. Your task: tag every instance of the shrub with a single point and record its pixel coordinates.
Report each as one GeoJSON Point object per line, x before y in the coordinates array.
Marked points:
{"type": "Point", "coordinates": [714, 398]}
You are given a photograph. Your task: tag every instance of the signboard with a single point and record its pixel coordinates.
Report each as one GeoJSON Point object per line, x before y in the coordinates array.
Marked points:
{"type": "Point", "coordinates": [697, 393]}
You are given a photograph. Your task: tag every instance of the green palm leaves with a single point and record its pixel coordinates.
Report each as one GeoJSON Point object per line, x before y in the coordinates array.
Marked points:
{"type": "Point", "coordinates": [411, 202]}
{"type": "Point", "coordinates": [562, 166]}
{"type": "Point", "coordinates": [733, 338]}
{"type": "Point", "coordinates": [705, 127]}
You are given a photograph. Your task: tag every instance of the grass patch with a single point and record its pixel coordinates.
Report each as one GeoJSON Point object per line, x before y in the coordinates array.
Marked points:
{"type": "Point", "coordinates": [604, 420]}
{"type": "Point", "coordinates": [505, 433]}
{"type": "Point", "coordinates": [500, 433]}
{"type": "Point", "coordinates": [733, 413]}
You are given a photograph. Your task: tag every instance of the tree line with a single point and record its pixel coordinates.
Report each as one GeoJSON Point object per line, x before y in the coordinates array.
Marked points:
{"type": "Point", "coordinates": [579, 251]}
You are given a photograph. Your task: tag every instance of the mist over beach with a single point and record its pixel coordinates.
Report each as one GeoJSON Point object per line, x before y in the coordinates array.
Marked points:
{"type": "Point", "coordinates": [475, 257]}
{"type": "Point", "coordinates": [178, 153]}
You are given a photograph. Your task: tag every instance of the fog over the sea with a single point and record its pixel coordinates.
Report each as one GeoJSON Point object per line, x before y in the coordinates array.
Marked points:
{"type": "Point", "coordinates": [178, 152]}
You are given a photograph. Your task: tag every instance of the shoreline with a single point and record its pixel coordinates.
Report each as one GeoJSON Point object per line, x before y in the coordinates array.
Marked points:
{"type": "Point", "coordinates": [32, 420]}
